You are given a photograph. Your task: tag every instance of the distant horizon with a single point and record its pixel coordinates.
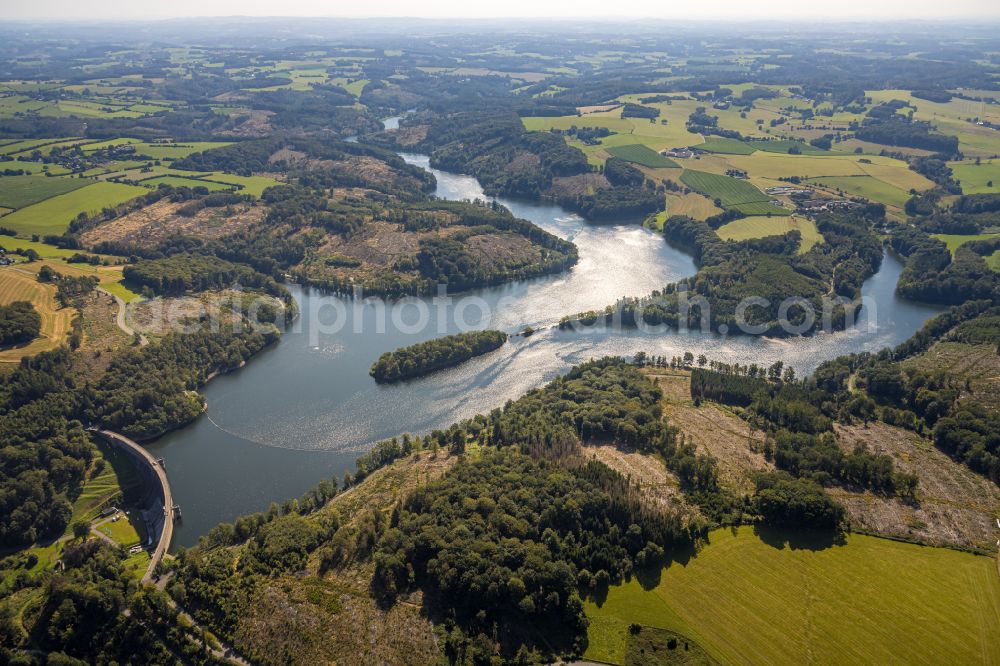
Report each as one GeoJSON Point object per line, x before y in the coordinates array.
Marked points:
{"type": "Point", "coordinates": [716, 11]}
{"type": "Point", "coordinates": [539, 19]}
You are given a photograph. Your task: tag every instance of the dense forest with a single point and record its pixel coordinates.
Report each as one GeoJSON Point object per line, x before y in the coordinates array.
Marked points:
{"type": "Point", "coordinates": [19, 323]}
{"type": "Point", "coordinates": [425, 357]}
{"type": "Point", "coordinates": [182, 273]}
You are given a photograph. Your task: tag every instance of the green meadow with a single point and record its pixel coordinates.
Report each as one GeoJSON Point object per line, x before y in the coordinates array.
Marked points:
{"type": "Point", "coordinates": [745, 599]}
{"type": "Point", "coordinates": [20, 191]}
{"type": "Point", "coordinates": [983, 178]}
{"type": "Point", "coordinates": [730, 191]}
{"type": "Point", "coordinates": [759, 227]}
{"type": "Point", "coordinates": [175, 151]}
{"type": "Point", "coordinates": [253, 185]}
{"type": "Point", "coordinates": [722, 145]}
{"type": "Point", "coordinates": [643, 155]}
{"type": "Point", "coordinates": [180, 181]}
{"type": "Point", "coordinates": [867, 187]}
{"type": "Point", "coordinates": [954, 241]}
{"type": "Point", "coordinates": [52, 216]}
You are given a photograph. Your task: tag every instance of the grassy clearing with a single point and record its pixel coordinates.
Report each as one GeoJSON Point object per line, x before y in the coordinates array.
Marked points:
{"type": "Point", "coordinates": [727, 190]}
{"type": "Point", "coordinates": [867, 187]}
{"type": "Point", "coordinates": [104, 482]}
{"type": "Point", "coordinates": [759, 227]}
{"type": "Point", "coordinates": [122, 531]}
{"type": "Point", "coordinates": [20, 191]}
{"type": "Point", "coordinates": [954, 241]}
{"type": "Point", "coordinates": [795, 599]}
{"type": "Point", "coordinates": [122, 290]}
{"type": "Point", "coordinates": [53, 215]}
{"type": "Point", "coordinates": [983, 178]}
{"type": "Point", "coordinates": [643, 155]}
{"type": "Point", "coordinates": [718, 144]}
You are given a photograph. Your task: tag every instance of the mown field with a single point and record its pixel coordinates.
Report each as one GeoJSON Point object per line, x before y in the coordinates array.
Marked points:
{"type": "Point", "coordinates": [759, 227]}
{"type": "Point", "coordinates": [20, 191]}
{"type": "Point", "coordinates": [643, 155]}
{"type": "Point", "coordinates": [867, 187]}
{"type": "Point", "coordinates": [53, 215]}
{"type": "Point", "coordinates": [18, 285]}
{"type": "Point", "coordinates": [731, 192]}
{"type": "Point", "coordinates": [747, 599]}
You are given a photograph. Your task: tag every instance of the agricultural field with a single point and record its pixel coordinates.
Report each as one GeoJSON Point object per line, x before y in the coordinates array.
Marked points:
{"type": "Point", "coordinates": [21, 191]}
{"type": "Point", "coordinates": [952, 118]}
{"type": "Point", "coordinates": [776, 597]}
{"type": "Point", "coordinates": [731, 192]}
{"type": "Point", "coordinates": [954, 241]}
{"type": "Point", "coordinates": [975, 178]}
{"type": "Point", "coordinates": [17, 284]}
{"type": "Point", "coordinates": [718, 144]}
{"type": "Point", "coordinates": [175, 151]}
{"type": "Point", "coordinates": [32, 167]}
{"type": "Point", "coordinates": [692, 204]}
{"type": "Point", "coordinates": [28, 145]}
{"type": "Point", "coordinates": [865, 186]}
{"type": "Point", "coordinates": [52, 216]}
{"type": "Point", "coordinates": [628, 131]}
{"type": "Point", "coordinates": [761, 226]}
{"type": "Point", "coordinates": [252, 185]}
{"type": "Point", "coordinates": [44, 250]}
{"type": "Point", "coordinates": [180, 181]}
{"type": "Point", "coordinates": [785, 145]}
{"type": "Point", "coordinates": [643, 156]}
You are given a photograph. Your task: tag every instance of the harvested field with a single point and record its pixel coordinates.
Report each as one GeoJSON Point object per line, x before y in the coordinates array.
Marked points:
{"type": "Point", "coordinates": [17, 284]}
{"type": "Point", "coordinates": [953, 506]}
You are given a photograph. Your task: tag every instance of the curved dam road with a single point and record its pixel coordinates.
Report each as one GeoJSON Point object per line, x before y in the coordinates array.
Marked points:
{"type": "Point", "coordinates": [160, 525]}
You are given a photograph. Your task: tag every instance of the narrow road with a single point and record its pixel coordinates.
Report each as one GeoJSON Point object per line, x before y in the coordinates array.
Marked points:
{"type": "Point", "coordinates": [167, 532]}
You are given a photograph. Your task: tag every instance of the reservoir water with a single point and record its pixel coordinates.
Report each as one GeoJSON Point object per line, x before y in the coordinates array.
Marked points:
{"type": "Point", "coordinates": [306, 408]}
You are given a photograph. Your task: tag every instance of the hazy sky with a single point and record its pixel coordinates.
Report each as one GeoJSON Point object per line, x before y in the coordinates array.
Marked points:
{"type": "Point", "coordinates": [683, 9]}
